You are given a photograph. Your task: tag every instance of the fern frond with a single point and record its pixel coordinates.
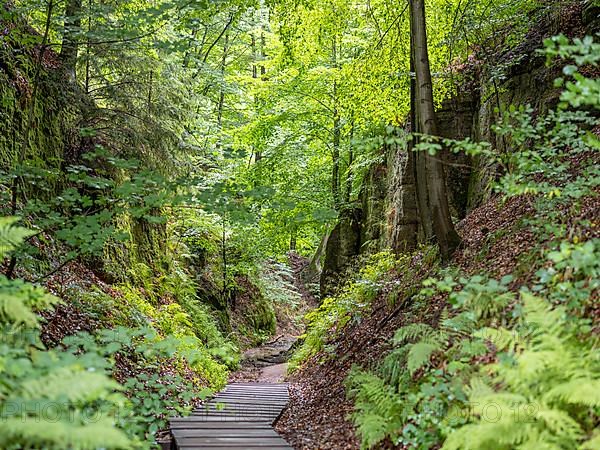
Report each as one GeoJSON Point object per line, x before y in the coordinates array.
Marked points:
{"type": "Point", "coordinates": [539, 312]}
{"type": "Point", "coordinates": [378, 408]}
{"type": "Point", "coordinates": [68, 384]}
{"type": "Point", "coordinates": [488, 435]}
{"type": "Point", "coordinates": [20, 300]}
{"type": "Point", "coordinates": [478, 388]}
{"type": "Point", "coordinates": [14, 311]}
{"type": "Point", "coordinates": [412, 333]}
{"type": "Point", "coordinates": [420, 354]}
{"type": "Point", "coordinates": [461, 324]}
{"type": "Point", "coordinates": [371, 427]}
{"type": "Point", "coordinates": [11, 235]}
{"type": "Point", "coordinates": [502, 338]}
{"type": "Point", "coordinates": [560, 424]}
{"type": "Point", "coordinates": [62, 434]}
{"type": "Point", "coordinates": [393, 366]}
{"type": "Point", "coordinates": [579, 391]}
{"type": "Point", "coordinates": [591, 444]}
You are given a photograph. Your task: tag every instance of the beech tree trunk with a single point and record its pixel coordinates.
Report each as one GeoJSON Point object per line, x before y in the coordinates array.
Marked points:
{"type": "Point", "coordinates": [70, 45]}
{"type": "Point", "coordinates": [335, 173]}
{"type": "Point", "coordinates": [431, 181]}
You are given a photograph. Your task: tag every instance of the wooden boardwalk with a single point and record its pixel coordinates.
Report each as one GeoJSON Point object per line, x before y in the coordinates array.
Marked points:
{"type": "Point", "coordinates": [240, 417]}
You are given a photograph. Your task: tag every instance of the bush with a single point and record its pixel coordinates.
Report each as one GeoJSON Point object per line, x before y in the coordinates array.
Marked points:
{"type": "Point", "coordinates": [48, 398]}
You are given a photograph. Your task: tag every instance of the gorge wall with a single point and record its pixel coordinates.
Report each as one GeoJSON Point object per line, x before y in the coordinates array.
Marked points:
{"type": "Point", "coordinates": [386, 216]}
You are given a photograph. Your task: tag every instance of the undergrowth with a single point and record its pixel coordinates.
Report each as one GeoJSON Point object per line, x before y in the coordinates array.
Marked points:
{"type": "Point", "coordinates": [41, 386]}
{"type": "Point", "coordinates": [513, 363]}
{"type": "Point", "coordinates": [336, 312]}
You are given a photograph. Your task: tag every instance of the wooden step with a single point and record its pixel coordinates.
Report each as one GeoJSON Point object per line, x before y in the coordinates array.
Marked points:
{"type": "Point", "coordinates": [239, 417]}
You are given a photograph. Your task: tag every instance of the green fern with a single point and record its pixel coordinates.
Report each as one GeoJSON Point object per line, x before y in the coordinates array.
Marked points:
{"type": "Point", "coordinates": [413, 333]}
{"type": "Point", "coordinates": [420, 354]}
{"type": "Point", "coordinates": [423, 341]}
{"type": "Point", "coordinates": [550, 395]}
{"type": "Point", "coordinates": [378, 408]}
{"type": "Point", "coordinates": [11, 235]}
{"type": "Point", "coordinates": [48, 399]}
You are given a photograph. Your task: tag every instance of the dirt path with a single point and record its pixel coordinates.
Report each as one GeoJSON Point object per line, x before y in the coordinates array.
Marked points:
{"type": "Point", "coordinates": [266, 363]}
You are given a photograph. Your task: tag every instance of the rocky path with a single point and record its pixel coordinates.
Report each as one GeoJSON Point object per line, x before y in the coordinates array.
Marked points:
{"type": "Point", "coordinates": [267, 363]}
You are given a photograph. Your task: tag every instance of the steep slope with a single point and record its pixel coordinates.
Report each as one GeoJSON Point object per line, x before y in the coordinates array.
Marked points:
{"type": "Point", "coordinates": [385, 367]}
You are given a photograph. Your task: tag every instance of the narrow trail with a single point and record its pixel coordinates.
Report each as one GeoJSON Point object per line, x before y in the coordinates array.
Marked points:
{"type": "Point", "coordinates": [267, 363]}
{"type": "Point", "coordinates": [244, 414]}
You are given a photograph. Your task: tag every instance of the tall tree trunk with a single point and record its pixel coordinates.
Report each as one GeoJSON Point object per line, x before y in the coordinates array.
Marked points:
{"type": "Point", "coordinates": [293, 237]}
{"type": "Point", "coordinates": [335, 172]}
{"type": "Point", "coordinates": [437, 196]}
{"type": "Point", "coordinates": [263, 55]}
{"type": "Point", "coordinates": [349, 173]}
{"type": "Point", "coordinates": [256, 151]}
{"type": "Point", "coordinates": [70, 44]}
{"type": "Point", "coordinates": [419, 158]}
{"type": "Point", "coordinates": [221, 103]}
{"type": "Point", "coordinates": [88, 49]}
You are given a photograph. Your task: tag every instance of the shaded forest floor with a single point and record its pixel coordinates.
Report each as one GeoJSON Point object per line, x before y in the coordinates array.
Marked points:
{"type": "Point", "coordinates": [497, 239]}
{"type": "Point", "coordinates": [267, 363]}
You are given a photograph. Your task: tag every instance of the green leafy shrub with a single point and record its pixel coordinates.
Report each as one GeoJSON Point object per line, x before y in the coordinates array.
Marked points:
{"type": "Point", "coordinates": [275, 281]}
{"type": "Point", "coordinates": [48, 398]}
{"type": "Point", "coordinates": [155, 384]}
{"type": "Point", "coordinates": [336, 312]}
{"type": "Point", "coordinates": [501, 370]}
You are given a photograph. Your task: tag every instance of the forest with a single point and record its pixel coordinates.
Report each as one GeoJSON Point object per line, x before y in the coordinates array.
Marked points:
{"type": "Point", "coordinates": [378, 219]}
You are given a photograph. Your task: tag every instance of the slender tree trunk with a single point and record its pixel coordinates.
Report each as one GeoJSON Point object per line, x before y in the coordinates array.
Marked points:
{"type": "Point", "coordinates": [350, 161]}
{"type": "Point", "coordinates": [419, 158]}
{"type": "Point", "coordinates": [263, 55]}
{"type": "Point", "coordinates": [335, 173]}
{"type": "Point", "coordinates": [88, 49]}
{"type": "Point", "coordinates": [70, 44]}
{"type": "Point", "coordinates": [437, 196]}
{"type": "Point", "coordinates": [224, 260]}
{"type": "Point", "coordinates": [222, 91]}
{"type": "Point", "coordinates": [256, 151]}
{"type": "Point", "coordinates": [293, 237]}
{"type": "Point", "coordinates": [254, 58]}
{"type": "Point", "coordinates": [150, 83]}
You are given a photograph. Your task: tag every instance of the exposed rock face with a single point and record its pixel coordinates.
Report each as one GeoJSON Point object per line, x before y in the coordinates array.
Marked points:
{"type": "Point", "coordinates": [343, 244]}
{"type": "Point", "coordinates": [388, 217]}
{"type": "Point", "coordinates": [388, 210]}
{"type": "Point", "coordinates": [402, 217]}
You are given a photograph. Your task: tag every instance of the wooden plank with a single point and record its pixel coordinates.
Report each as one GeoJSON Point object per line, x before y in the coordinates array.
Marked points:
{"type": "Point", "coordinates": [258, 388]}
{"type": "Point", "coordinates": [239, 417]}
{"type": "Point", "coordinates": [222, 425]}
{"type": "Point", "coordinates": [257, 394]}
{"type": "Point", "coordinates": [234, 447]}
{"type": "Point", "coordinates": [237, 409]}
{"type": "Point", "coordinates": [255, 441]}
{"type": "Point", "coordinates": [231, 399]}
{"type": "Point", "coordinates": [250, 414]}
{"type": "Point", "coordinates": [239, 404]}
{"type": "Point", "coordinates": [267, 420]}
{"type": "Point", "coordinates": [249, 392]}
{"type": "Point", "coordinates": [237, 433]}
